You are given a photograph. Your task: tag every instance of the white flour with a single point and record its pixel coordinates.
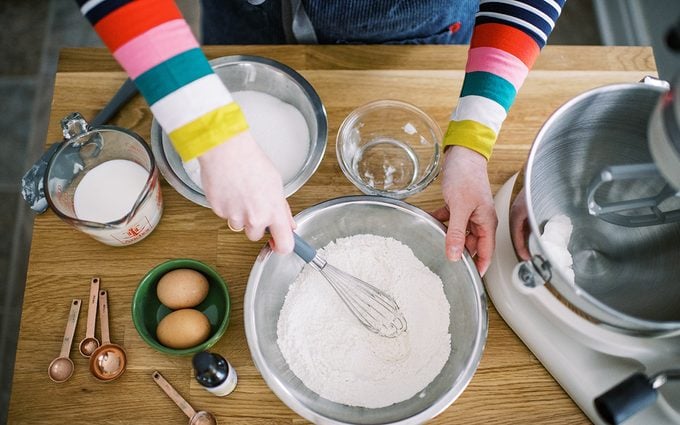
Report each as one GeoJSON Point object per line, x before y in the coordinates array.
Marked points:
{"type": "Point", "coordinates": [555, 241]}
{"type": "Point", "coordinates": [336, 357]}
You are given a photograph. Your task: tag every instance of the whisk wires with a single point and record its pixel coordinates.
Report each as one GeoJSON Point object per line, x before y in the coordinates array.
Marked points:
{"type": "Point", "coordinates": [375, 309]}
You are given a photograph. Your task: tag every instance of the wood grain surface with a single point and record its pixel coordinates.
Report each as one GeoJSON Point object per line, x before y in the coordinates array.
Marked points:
{"type": "Point", "coordinates": [510, 385]}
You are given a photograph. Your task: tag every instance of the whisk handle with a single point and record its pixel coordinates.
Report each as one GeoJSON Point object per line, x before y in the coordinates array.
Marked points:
{"type": "Point", "coordinates": [303, 249]}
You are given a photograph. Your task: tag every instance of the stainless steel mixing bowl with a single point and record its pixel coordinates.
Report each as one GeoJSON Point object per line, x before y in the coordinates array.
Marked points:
{"type": "Point", "coordinates": [263, 75]}
{"type": "Point", "coordinates": [272, 275]}
{"type": "Point", "coordinates": [625, 277]}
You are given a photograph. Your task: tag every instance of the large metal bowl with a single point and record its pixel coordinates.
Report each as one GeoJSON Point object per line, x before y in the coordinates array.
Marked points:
{"type": "Point", "coordinates": [272, 275]}
{"type": "Point", "coordinates": [625, 277]}
{"type": "Point", "coordinates": [263, 75]}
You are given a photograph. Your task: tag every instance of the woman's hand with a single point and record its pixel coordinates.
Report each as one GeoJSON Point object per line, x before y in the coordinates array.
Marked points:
{"type": "Point", "coordinates": [243, 186]}
{"type": "Point", "coordinates": [519, 225]}
{"type": "Point", "coordinates": [469, 207]}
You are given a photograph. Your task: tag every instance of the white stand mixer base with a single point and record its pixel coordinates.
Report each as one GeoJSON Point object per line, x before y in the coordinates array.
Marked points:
{"type": "Point", "coordinates": [585, 359]}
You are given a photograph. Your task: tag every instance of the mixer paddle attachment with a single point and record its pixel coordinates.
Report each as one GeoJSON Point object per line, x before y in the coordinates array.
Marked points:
{"type": "Point", "coordinates": [638, 212]}
{"type": "Point", "coordinates": [375, 309]}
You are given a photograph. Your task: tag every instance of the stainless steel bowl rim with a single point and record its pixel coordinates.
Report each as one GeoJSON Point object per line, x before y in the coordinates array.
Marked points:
{"type": "Point", "coordinates": [282, 392]}
{"type": "Point", "coordinates": [318, 149]}
{"type": "Point", "coordinates": [575, 295]}
{"type": "Point", "coordinates": [433, 169]}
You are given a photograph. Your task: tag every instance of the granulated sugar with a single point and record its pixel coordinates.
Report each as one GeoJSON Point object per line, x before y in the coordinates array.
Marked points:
{"type": "Point", "coordinates": [278, 128]}
{"type": "Point", "coordinates": [335, 356]}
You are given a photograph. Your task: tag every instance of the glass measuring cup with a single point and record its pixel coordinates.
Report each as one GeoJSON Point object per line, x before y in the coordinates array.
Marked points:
{"type": "Point", "coordinates": [140, 205]}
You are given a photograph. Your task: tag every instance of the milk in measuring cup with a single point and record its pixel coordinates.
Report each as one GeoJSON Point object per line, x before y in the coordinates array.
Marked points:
{"type": "Point", "coordinates": [108, 192]}
{"type": "Point", "coordinates": [104, 182]}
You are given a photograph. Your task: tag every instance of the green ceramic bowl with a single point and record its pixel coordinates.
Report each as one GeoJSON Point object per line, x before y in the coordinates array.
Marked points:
{"type": "Point", "coordinates": [147, 310]}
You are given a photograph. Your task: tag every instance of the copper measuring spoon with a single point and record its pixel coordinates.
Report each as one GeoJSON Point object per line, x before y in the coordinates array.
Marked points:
{"type": "Point", "coordinates": [90, 343]}
{"type": "Point", "coordinates": [195, 418]}
{"type": "Point", "coordinates": [61, 368]}
{"type": "Point", "coordinates": [109, 360]}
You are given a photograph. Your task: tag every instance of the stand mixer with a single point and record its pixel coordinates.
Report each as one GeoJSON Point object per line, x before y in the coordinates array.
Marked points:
{"type": "Point", "coordinates": [585, 358]}
{"type": "Point", "coordinates": [612, 333]}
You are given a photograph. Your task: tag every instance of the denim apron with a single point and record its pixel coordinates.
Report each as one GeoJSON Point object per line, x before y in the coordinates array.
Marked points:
{"type": "Point", "coordinates": [338, 21]}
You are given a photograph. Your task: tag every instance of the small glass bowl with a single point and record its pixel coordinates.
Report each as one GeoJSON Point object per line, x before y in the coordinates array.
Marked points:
{"type": "Point", "coordinates": [389, 148]}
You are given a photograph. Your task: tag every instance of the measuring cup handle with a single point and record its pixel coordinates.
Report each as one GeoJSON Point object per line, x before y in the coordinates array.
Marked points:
{"type": "Point", "coordinates": [104, 316]}
{"type": "Point", "coordinates": [173, 394]}
{"type": "Point", "coordinates": [31, 182]}
{"type": "Point", "coordinates": [70, 328]}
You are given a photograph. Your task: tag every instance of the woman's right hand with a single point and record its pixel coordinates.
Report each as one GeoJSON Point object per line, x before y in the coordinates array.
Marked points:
{"type": "Point", "coordinates": [243, 186]}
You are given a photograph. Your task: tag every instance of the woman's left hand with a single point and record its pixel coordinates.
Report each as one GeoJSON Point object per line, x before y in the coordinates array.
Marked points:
{"type": "Point", "coordinates": [468, 208]}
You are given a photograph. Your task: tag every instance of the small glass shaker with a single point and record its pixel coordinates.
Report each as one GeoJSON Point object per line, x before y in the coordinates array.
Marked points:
{"type": "Point", "coordinates": [214, 373]}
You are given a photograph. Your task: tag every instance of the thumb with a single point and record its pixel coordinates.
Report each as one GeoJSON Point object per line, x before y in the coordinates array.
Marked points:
{"type": "Point", "coordinates": [455, 235]}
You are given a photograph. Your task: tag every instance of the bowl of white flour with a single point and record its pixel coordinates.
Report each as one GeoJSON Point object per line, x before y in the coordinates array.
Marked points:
{"type": "Point", "coordinates": [321, 362]}
{"type": "Point", "coordinates": [284, 113]}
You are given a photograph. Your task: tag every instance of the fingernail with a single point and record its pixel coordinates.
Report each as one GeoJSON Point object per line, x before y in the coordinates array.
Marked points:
{"type": "Point", "coordinates": [455, 254]}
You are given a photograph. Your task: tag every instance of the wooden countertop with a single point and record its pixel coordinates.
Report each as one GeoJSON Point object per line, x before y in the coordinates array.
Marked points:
{"type": "Point", "coordinates": [510, 385]}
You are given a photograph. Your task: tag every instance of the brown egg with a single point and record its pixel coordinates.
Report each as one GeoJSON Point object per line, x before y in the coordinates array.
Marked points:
{"type": "Point", "coordinates": [182, 288]}
{"type": "Point", "coordinates": [183, 329]}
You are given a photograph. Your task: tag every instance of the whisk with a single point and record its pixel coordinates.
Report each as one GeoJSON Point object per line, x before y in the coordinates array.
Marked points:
{"type": "Point", "coordinates": [376, 310]}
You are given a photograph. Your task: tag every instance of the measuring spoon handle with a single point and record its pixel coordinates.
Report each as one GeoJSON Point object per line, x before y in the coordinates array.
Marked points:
{"type": "Point", "coordinates": [70, 328]}
{"type": "Point", "coordinates": [174, 395]}
{"type": "Point", "coordinates": [104, 316]}
{"type": "Point", "coordinates": [92, 308]}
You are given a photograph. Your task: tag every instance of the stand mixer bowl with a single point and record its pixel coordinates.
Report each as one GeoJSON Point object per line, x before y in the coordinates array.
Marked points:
{"type": "Point", "coordinates": [625, 278]}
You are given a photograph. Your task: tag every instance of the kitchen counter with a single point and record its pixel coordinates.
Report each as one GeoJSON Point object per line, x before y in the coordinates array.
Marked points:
{"type": "Point", "coordinates": [510, 385]}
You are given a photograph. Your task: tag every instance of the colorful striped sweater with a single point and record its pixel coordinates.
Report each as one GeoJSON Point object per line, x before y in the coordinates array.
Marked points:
{"type": "Point", "coordinates": [507, 38]}
{"type": "Point", "coordinates": [155, 46]}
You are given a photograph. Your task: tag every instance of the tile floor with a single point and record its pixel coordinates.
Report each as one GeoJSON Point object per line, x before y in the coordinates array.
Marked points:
{"type": "Point", "coordinates": [33, 31]}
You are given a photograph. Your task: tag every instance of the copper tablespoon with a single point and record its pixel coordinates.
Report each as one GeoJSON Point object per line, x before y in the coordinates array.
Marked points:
{"type": "Point", "coordinates": [109, 360]}
{"type": "Point", "coordinates": [90, 343]}
{"type": "Point", "coordinates": [61, 368]}
{"type": "Point", "coordinates": [195, 418]}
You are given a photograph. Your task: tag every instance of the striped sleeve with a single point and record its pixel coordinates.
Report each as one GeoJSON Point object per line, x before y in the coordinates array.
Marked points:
{"type": "Point", "coordinates": [507, 38]}
{"type": "Point", "coordinates": [153, 43]}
